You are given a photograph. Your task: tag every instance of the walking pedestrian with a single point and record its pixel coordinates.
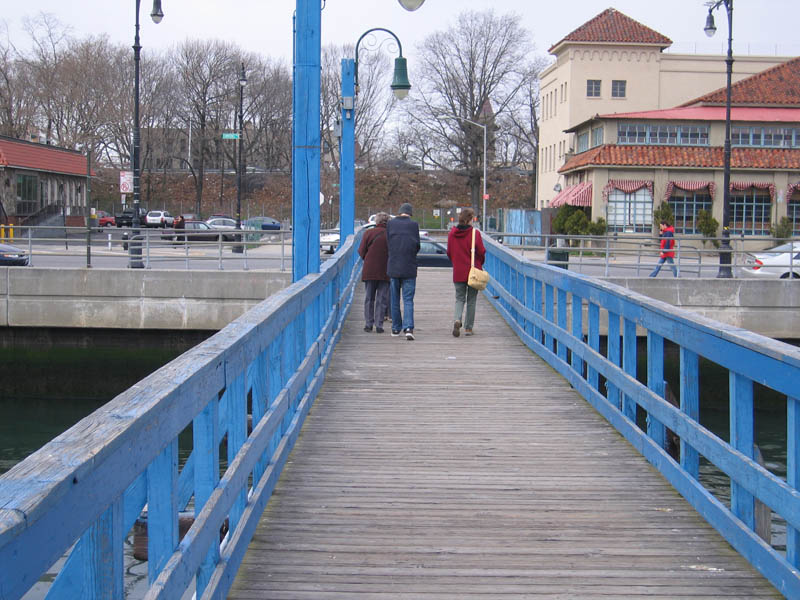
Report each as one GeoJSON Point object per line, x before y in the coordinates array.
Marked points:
{"type": "Point", "coordinates": [459, 250]}
{"type": "Point", "coordinates": [667, 245]}
{"type": "Point", "coordinates": [374, 250]}
{"type": "Point", "coordinates": [403, 239]}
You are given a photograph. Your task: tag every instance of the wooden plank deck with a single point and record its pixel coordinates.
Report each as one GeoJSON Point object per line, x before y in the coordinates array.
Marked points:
{"type": "Point", "coordinates": [468, 468]}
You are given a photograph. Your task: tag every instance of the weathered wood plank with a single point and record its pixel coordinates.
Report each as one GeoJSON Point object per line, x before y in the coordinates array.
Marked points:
{"type": "Point", "coordinates": [467, 468]}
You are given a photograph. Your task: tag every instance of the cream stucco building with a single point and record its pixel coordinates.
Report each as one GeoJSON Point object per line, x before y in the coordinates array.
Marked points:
{"type": "Point", "coordinates": [613, 64]}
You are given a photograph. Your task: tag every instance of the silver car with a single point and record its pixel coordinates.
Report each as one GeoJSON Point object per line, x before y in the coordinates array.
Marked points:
{"type": "Point", "coordinates": [778, 262]}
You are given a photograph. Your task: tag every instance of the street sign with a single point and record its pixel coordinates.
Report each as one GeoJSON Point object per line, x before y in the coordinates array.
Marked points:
{"type": "Point", "coordinates": [230, 136]}
{"type": "Point", "coordinates": [126, 182]}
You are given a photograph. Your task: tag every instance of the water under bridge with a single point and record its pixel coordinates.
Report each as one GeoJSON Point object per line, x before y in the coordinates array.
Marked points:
{"type": "Point", "coordinates": [527, 460]}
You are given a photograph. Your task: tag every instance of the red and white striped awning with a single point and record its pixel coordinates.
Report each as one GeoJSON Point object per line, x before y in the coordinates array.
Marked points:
{"type": "Point", "coordinates": [691, 186]}
{"type": "Point", "coordinates": [629, 186]}
{"type": "Point", "coordinates": [760, 185]}
{"type": "Point", "coordinates": [574, 195]}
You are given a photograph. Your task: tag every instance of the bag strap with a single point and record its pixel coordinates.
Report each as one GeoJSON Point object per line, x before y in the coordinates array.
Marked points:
{"type": "Point", "coordinates": [472, 250]}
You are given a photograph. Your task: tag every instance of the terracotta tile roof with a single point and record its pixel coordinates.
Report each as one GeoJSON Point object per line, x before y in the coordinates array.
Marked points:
{"type": "Point", "coordinates": [777, 86]}
{"type": "Point", "coordinates": [39, 157]}
{"type": "Point", "coordinates": [611, 26]}
{"type": "Point", "coordinates": [683, 156]}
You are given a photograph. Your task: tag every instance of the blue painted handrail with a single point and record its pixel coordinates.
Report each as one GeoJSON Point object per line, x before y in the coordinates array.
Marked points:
{"type": "Point", "coordinates": [558, 315]}
{"type": "Point", "coordinates": [81, 493]}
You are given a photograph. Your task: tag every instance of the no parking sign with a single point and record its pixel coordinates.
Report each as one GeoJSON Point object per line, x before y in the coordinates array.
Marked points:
{"type": "Point", "coordinates": [126, 182]}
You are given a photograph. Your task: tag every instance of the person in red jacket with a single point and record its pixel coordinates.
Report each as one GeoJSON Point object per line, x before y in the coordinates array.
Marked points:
{"type": "Point", "coordinates": [374, 250]}
{"type": "Point", "coordinates": [459, 246]}
{"type": "Point", "coordinates": [667, 245]}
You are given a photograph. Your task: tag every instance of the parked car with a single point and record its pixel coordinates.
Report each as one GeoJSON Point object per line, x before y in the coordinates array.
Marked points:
{"type": "Point", "coordinates": [432, 254]}
{"type": "Point", "coordinates": [781, 261]}
{"type": "Point", "coordinates": [329, 241]}
{"type": "Point", "coordinates": [105, 219]}
{"type": "Point", "coordinates": [226, 225]}
{"type": "Point", "coordinates": [159, 218]}
{"type": "Point", "coordinates": [262, 223]}
{"type": "Point", "coordinates": [125, 218]}
{"type": "Point", "coordinates": [193, 231]}
{"type": "Point", "coordinates": [11, 256]}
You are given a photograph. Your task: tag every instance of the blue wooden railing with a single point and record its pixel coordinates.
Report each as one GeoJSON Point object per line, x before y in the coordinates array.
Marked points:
{"type": "Point", "coordinates": [559, 314]}
{"type": "Point", "coordinates": [81, 494]}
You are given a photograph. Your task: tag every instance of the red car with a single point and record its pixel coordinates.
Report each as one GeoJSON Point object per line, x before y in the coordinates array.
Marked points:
{"type": "Point", "coordinates": [104, 219]}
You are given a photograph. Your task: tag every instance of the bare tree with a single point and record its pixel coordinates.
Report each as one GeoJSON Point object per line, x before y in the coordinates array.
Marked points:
{"type": "Point", "coordinates": [203, 68]}
{"type": "Point", "coordinates": [473, 71]}
{"type": "Point", "coordinates": [17, 106]}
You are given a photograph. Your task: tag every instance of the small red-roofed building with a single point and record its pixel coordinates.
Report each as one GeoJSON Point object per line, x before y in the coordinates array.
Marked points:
{"type": "Point", "coordinates": [37, 179]}
{"type": "Point", "coordinates": [626, 125]}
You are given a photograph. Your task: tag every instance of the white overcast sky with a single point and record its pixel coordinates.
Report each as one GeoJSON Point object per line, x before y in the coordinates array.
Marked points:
{"type": "Point", "coordinates": [265, 26]}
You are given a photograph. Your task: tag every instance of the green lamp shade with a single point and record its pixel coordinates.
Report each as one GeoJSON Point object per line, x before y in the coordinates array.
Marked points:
{"type": "Point", "coordinates": [400, 84]}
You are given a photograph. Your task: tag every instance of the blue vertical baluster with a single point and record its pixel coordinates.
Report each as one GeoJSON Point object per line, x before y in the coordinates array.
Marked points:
{"type": "Point", "coordinates": [537, 307]}
{"type": "Point", "coordinates": [548, 314]}
{"type": "Point", "coordinates": [577, 330]}
{"type": "Point", "coordinates": [655, 381]}
{"type": "Point", "coordinates": [793, 473]}
{"type": "Point", "coordinates": [690, 404]}
{"type": "Point", "coordinates": [562, 321]}
{"type": "Point", "coordinates": [162, 509]}
{"type": "Point", "coordinates": [237, 435]}
{"type": "Point", "coordinates": [614, 356]}
{"type": "Point", "coordinates": [206, 477]}
{"type": "Point", "coordinates": [629, 364]}
{"type": "Point", "coordinates": [742, 438]}
{"type": "Point", "coordinates": [594, 342]}
{"type": "Point", "coordinates": [529, 304]}
{"type": "Point", "coordinates": [257, 378]}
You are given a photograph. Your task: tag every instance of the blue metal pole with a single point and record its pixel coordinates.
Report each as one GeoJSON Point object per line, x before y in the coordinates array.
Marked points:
{"type": "Point", "coordinates": [306, 140]}
{"type": "Point", "coordinates": [347, 175]}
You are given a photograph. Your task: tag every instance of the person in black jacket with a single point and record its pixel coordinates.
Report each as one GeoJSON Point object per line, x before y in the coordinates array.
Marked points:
{"type": "Point", "coordinates": [375, 252]}
{"type": "Point", "coordinates": [403, 239]}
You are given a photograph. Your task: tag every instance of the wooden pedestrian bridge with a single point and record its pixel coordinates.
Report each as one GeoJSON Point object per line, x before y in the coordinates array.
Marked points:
{"type": "Point", "coordinates": [320, 461]}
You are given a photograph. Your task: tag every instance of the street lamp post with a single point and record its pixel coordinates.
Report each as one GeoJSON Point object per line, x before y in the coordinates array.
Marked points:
{"type": "Point", "coordinates": [725, 246]}
{"type": "Point", "coordinates": [239, 248]}
{"type": "Point", "coordinates": [306, 135]}
{"type": "Point", "coordinates": [400, 87]}
{"type": "Point", "coordinates": [484, 223]}
{"type": "Point", "coordinates": [156, 14]}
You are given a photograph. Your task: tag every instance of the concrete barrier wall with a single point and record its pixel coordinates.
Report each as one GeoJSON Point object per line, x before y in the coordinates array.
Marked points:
{"type": "Point", "coordinates": [131, 298]}
{"type": "Point", "coordinates": [209, 300]}
{"type": "Point", "coordinates": [766, 307]}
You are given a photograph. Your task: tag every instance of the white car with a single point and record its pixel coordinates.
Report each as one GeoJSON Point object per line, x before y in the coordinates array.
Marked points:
{"type": "Point", "coordinates": [224, 224]}
{"type": "Point", "coordinates": [159, 218]}
{"type": "Point", "coordinates": [329, 241]}
{"type": "Point", "coordinates": [782, 261]}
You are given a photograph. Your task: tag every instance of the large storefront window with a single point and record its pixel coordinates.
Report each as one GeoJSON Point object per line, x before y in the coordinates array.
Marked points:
{"type": "Point", "coordinates": [750, 212]}
{"type": "Point", "coordinates": [793, 212]}
{"type": "Point", "coordinates": [630, 212]}
{"type": "Point", "coordinates": [686, 205]}
{"type": "Point", "coordinates": [27, 195]}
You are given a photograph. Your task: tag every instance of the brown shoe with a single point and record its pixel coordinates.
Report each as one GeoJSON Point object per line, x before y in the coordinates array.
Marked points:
{"type": "Point", "coordinates": [468, 332]}
{"type": "Point", "coordinates": [457, 329]}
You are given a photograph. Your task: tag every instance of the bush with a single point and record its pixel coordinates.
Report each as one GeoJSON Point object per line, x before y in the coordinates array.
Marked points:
{"type": "Point", "coordinates": [598, 227]}
{"type": "Point", "coordinates": [663, 213]}
{"type": "Point", "coordinates": [783, 230]}
{"type": "Point", "coordinates": [559, 224]}
{"type": "Point", "coordinates": [708, 226]}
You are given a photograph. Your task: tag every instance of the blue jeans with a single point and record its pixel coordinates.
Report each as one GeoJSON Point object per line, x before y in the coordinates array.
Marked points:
{"type": "Point", "coordinates": [661, 261]}
{"type": "Point", "coordinates": [406, 286]}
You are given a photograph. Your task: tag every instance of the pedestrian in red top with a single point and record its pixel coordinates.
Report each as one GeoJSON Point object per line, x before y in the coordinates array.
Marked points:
{"type": "Point", "coordinates": [459, 246]}
{"type": "Point", "coordinates": [375, 253]}
{"type": "Point", "coordinates": [667, 245]}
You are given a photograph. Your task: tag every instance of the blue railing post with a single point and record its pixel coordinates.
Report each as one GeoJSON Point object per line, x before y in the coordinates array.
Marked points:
{"type": "Point", "coordinates": [549, 300]}
{"type": "Point", "coordinates": [562, 321]}
{"type": "Point", "coordinates": [162, 509]}
{"type": "Point", "coordinates": [206, 476]}
{"type": "Point", "coordinates": [529, 303]}
{"type": "Point", "coordinates": [629, 363]}
{"type": "Point", "coordinates": [742, 438]}
{"type": "Point", "coordinates": [577, 330]}
{"type": "Point", "coordinates": [537, 308]}
{"type": "Point", "coordinates": [592, 375]}
{"type": "Point", "coordinates": [793, 473]}
{"type": "Point", "coordinates": [655, 381]}
{"type": "Point", "coordinates": [614, 356]}
{"type": "Point", "coordinates": [690, 405]}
